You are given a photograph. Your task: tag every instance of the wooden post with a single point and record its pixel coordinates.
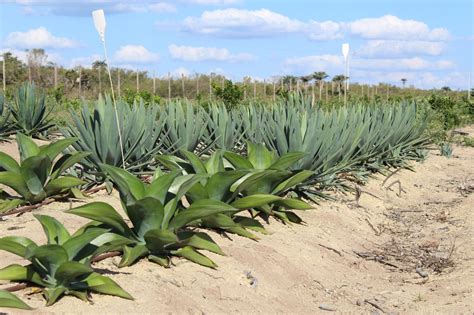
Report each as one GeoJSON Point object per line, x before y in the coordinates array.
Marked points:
{"type": "Point", "coordinates": [254, 88]}
{"type": "Point", "coordinates": [197, 85]}
{"type": "Point", "coordinates": [100, 81]}
{"type": "Point", "coordinates": [312, 94]}
{"type": "Point", "coordinates": [182, 84]}
{"type": "Point", "coordinates": [154, 83]}
{"type": "Point", "coordinates": [281, 84]}
{"type": "Point", "coordinates": [29, 71]}
{"type": "Point", "coordinates": [297, 86]}
{"type": "Point", "coordinates": [264, 89]}
{"type": "Point", "coordinates": [274, 91]}
{"type": "Point", "coordinates": [169, 87]}
{"type": "Point", "coordinates": [55, 76]}
{"type": "Point", "coordinates": [291, 80]}
{"type": "Point", "coordinates": [80, 80]}
{"type": "Point", "coordinates": [118, 82]}
{"type": "Point", "coordinates": [138, 81]}
{"type": "Point", "coordinates": [326, 85]}
{"type": "Point", "coordinates": [210, 87]}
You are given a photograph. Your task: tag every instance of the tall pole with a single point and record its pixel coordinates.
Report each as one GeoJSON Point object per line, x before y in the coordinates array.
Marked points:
{"type": "Point", "coordinates": [29, 71]}
{"type": "Point", "coordinates": [154, 83]}
{"type": "Point", "coordinates": [254, 88]}
{"type": "Point", "coordinates": [326, 86]}
{"type": "Point", "coordinates": [118, 82]}
{"type": "Point", "coordinates": [80, 80]}
{"type": "Point", "coordinates": [138, 81]}
{"type": "Point", "coordinates": [182, 84]}
{"type": "Point", "coordinates": [169, 87]}
{"type": "Point", "coordinates": [312, 94]}
{"type": "Point", "coordinates": [100, 80]}
{"type": "Point", "coordinates": [274, 91]}
{"type": "Point", "coordinates": [197, 84]}
{"type": "Point", "coordinates": [210, 87]}
{"type": "Point", "coordinates": [55, 76]}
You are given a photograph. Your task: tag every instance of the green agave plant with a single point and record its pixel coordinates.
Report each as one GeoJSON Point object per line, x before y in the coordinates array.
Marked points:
{"type": "Point", "coordinates": [184, 128]}
{"type": "Point", "coordinates": [158, 218]}
{"type": "Point", "coordinates": [6, 127]}
{"type": "Point", "coordinates": [39, 173]}
{"type": "Point", "coordinates": [31, 115]}
{"type": "Point", "coordinates": [10, 300]}
{"type": "Point", "coordinates": [270, 174]}
{"type": "Point", "coordinates": [224, 127]}
{"type": "Point", "coordinates": [97, 133]}
{"type": "Point", "coordinates": [62, 266]}
{"type": "Point", "coordinates": [245, 187]}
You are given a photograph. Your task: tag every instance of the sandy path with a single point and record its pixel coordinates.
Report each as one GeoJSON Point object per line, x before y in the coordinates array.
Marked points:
{"type": "Point", "coordinates": [298, 269]}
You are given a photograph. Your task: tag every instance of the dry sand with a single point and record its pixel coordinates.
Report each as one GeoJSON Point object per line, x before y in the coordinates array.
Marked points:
{"type": "Point", "coordinates": [350, 256]}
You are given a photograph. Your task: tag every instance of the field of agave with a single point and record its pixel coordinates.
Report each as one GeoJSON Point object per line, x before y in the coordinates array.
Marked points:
{"type": "Point", "coordinates": [185, 169]}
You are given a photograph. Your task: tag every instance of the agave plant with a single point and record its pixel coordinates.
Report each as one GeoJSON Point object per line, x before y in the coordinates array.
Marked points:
{"type": "Point", "coordinates": [10, 300]}
{"type": "Point", "coordinates": [31, 115]}
{"type": "Point", "coordinates": [97, 133]}
{"type": "Point", "coordinates": [184, 129]}
{"type": "Point", "coordinates": [6, 127]}
{"type": "Point", "coordinates": [224, 127]}
{"type": "Point", "coordinates": [248, 186]}
{"type": "Point", "coordinates": [39, 174]}
{"type": "Point", "coordinates": [158, 218]}
{"type": "Point", "coordinates": [62, 266]}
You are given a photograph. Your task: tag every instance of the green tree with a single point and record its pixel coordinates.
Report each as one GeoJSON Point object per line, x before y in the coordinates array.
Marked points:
{"type": "Point", "coordinates": [15, 69]}
{"type": "Point", "coordinates": [231, 94]}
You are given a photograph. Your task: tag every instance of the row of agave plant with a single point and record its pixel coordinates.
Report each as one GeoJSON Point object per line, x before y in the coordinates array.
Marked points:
{"type": "Point", "coordinates": [187, 170]}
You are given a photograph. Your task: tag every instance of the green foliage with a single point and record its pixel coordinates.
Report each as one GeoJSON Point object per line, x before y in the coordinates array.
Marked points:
{"type": "Point", "coordinates": [131, 96]}
{"type": "Point", "coordinates": [231, 94]}
{"type": "Point", "coordinates": [31, 115]}
{"type": "Point", "coordinates": [39, 174]}
{"type": "Point", "coordinates": [158, 218]}
{"type": "Point", "coordinates": [98, 134]}
{"type": "Point", "coordinates": [10, 300]}
{"type": "Point", "coordinates": [224, 128]}
{"type": "Point", "coordinates": [62, 266]}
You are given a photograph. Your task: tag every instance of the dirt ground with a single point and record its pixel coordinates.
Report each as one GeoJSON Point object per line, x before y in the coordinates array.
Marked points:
{"type": "Point", "coordinates": [404, 246]}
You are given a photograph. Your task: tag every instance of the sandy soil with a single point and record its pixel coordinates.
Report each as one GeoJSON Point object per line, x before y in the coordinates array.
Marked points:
{"type": "Point", "coordinates": [356, 256]}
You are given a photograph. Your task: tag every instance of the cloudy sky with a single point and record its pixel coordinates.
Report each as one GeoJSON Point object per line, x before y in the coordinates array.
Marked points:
{"type": "Point", "coordinates": [428, 42]}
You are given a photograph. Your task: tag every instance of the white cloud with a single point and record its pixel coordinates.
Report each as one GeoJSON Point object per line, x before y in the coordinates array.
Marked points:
{"type": "Point", "coordinates": [392, 27]}
{"type": "Point", "coordinates": [336, 63]}
{"type": "Point", "coordinates": [135, 54]}
{"type": "Point", "coordinates": [38, 38]}
{"type": "Point", "coordinates": [326, 30]}
{"type": "Point", "coordinates": [242, 23]}
{"type": "Point", "coordinates": [189, 53]}
{"type": "Point", "coordinates": [391, 48]}
{"type": "Point", "coordinates": [263, 22]}
{"type": "Point", "coordinates": [162, 7]}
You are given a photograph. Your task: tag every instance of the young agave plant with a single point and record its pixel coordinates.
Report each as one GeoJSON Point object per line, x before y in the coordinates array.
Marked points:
{"type": "Point", "coordinates": [229, 186]}
{"type": "Point", "coordinates": [30, 113]}
{"type": "Point", "coordinates": [269, 174]}
{"type": "Point", "coordinates": [62, 266]}
{"type": "Point", "coordinates": [39, 174]}
{"type": "Point", "coordinates": [158, 218]}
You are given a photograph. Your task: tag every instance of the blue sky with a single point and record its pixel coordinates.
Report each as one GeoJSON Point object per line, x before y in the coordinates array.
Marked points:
{"type": "Point", "coordinates": [428, 42]}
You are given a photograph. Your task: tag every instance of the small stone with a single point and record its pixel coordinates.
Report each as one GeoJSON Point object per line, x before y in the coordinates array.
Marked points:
{"type": "Point", "coordinates": [421, 272]}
